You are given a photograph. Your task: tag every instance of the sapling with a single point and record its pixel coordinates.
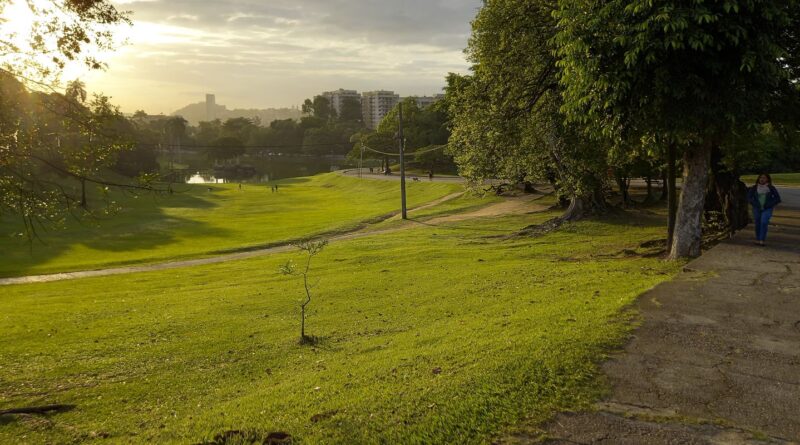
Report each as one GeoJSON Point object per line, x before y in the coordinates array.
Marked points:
{"type": "Point", "coordinates": [311, 249]}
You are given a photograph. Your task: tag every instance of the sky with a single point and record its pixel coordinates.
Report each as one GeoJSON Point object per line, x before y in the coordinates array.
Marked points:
{"type": "Point", "coordinates": [276, 53]}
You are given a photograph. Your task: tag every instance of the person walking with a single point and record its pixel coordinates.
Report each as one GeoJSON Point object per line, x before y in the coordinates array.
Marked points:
{"type": "Point", "coordinates": [763, 196]}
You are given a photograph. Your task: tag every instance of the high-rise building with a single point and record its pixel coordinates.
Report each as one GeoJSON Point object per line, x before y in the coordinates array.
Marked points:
{"type": "Point", "coordinates": [377, 104]}
{"type": "Point", "coordinates": [427, 101]}
{"type": "Point", "coordinates": [337, 97]}
{"type": "Point", "coordinates": [211, 105]}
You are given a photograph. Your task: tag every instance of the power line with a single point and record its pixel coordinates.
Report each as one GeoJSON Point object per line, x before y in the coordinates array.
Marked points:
{"type": "Point", "coordinates": [418, 152]}
{"type": "Point", "coordinates": [261, 147]}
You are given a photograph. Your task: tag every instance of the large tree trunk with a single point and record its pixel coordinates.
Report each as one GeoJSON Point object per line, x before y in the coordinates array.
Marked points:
{"type": "Point", "coordinates": [688, 235]}
{"type": "Point", "coordinates": [84, 202]}
{"type": "Point", "coordinates": [727, 194]}
{"type": "Point", "coordinates": [623, 185]}
{"type": "Point", "coordinates": [672, 193]}
{"type": "Point", "coordinates": [588, 204]}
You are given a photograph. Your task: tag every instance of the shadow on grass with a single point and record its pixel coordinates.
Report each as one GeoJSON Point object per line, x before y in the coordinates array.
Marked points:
{"type": "Point", "coordinates": [10, 415]}
{"type": "Point", "coordinates": [142, 223]}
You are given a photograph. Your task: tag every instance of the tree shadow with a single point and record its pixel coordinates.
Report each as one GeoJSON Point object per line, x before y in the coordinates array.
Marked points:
{"type": "Point", "coordinates": [292, 181]}
{"type": "Point", "coordinates": [142, 223]}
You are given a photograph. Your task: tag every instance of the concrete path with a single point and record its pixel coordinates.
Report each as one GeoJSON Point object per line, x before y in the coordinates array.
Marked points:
{"type": "Point", "coordinates": [395, 176]}
{"type": "Point", "coordinates": [717, 358]}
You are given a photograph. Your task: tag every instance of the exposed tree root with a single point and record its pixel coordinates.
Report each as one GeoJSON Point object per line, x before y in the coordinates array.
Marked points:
{"type": "Point", "coordinates": [537, 230]}
{"type": "Point", "coordinates": [44, 409]}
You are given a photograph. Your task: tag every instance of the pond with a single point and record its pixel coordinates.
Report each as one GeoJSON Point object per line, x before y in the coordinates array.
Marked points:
{"type": "Point", "coordinates": [257, 171]}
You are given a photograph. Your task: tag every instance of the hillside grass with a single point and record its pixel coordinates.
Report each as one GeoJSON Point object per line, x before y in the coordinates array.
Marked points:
{"type": "Point", "coordinates": [201, 220]}
{"type": "Point", "coordinates": [446, 334]}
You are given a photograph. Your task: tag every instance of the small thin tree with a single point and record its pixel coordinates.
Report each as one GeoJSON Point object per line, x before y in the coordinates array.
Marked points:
{"type": "Point", "coordinates": [311, 249]}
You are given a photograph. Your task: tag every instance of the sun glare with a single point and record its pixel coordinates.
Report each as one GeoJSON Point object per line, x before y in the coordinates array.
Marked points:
{"type": "Point", "coordinates": [19, 22]}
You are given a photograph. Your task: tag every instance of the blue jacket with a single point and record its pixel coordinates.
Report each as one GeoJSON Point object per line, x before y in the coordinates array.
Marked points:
{"type": "Point", "coordinates": [773, 198]}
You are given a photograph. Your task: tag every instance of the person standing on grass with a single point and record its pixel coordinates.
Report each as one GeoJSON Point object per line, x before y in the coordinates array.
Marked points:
{"type": "Point", "coordinates": [763, 196]}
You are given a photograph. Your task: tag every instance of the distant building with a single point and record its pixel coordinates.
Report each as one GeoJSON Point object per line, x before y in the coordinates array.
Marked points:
{"type": "Point", "coordinates": [377, 104]}
{"type": "Point", "coordinates": [427, 101]}
{"type": "Point", "coordinates": [211, 105]}
{"type": "Point", "coordinates": [337, 97]}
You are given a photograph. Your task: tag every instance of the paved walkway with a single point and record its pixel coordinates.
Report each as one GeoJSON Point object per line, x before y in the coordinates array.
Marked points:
{"type": "Point", "coordinates": [717, 358]}
{"type": "Point", "coordinates": [395, 176]}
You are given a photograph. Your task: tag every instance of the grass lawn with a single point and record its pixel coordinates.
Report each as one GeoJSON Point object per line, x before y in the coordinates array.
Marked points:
{"type": "Point", "coordinates": [790, 179]}
{"type": "Point", "coordinates": [427, 335]}
{"type": "Point", "coordinates": [197, 222]}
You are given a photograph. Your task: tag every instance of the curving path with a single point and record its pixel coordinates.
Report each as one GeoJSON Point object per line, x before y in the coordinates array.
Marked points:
{"type": "Point", "coordinates": [717, 357]}
{"type": "Point", "coordinates": [517, 205]}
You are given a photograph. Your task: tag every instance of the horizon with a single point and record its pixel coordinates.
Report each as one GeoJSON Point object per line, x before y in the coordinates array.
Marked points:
{"type": "Point", "coordinates": [277, 55]}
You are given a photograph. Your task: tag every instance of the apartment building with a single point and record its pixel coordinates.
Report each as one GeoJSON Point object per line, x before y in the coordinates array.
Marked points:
{"type": "Point", "coordinates": [337, 97]}
{"type": "Point", "coordinates": [427, 101]}
{"type": "Point", "coordinates": [377, 104]}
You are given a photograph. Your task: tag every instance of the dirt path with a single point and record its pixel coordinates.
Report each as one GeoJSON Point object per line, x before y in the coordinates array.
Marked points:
{"type": "Point", "coordinates": [717, 358]}
{"type": "Point", "coordinates": [510, 206]}
{"type": "Point", "coordinates": [515, 205]}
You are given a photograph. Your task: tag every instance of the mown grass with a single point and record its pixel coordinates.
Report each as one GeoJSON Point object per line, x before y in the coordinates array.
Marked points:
{"type": "Point", "coordinates": [790, 179]}
{"type": "Point", "coordinates": [197, 221]}
{"type": "Point", "coordinates": [428, 335]}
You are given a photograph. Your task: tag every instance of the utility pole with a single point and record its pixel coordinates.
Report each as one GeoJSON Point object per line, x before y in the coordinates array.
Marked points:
{"type": "Point", "coordinates": [402, 161]}
{"type": "Point", "coordinates": [361, 161]}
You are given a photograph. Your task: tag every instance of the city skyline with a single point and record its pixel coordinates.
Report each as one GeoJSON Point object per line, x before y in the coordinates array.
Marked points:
{"type": "Point", "coordinates": [278, 54]}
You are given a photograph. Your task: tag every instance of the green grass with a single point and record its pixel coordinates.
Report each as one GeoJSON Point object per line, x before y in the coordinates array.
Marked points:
{"type": "Point", "coordinates": [785, 179]}
{"type": "Point", "coordinates": [428, 335]}
{"type": "Point", "coordinates": [198, 222]}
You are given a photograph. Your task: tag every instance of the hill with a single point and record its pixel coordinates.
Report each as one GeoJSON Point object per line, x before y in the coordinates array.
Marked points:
{"type": "Point", "coordinates": [194, 113]}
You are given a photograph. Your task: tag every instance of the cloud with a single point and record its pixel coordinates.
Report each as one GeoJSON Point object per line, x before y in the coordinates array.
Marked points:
{"type": "Point", "coordinates": [257, 54]}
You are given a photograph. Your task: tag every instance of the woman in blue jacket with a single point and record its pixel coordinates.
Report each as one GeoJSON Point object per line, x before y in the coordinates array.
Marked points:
{"type": "Point", "coordinates": [763, 196]}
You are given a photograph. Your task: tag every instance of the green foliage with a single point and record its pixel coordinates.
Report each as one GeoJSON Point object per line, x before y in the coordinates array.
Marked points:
{"type": "Point", "coordinates": [226, 147]}
{"type": "Point", "coordinates": [63, 31]}
{"type": "Point", "coordinates": [684, 72]}
{"type": "Point", "coordinates": [319, 107]}
{"type": "Point", "coordinates": [311, 249]}
{"type": "Point", "coordinates": [333, 138]}
{"type": "Point", "coordinates": [351, 110]}
{"type": "Point", "coordinates": [505, 116]}
{"type": "Point", "coordinates": [50, 143]}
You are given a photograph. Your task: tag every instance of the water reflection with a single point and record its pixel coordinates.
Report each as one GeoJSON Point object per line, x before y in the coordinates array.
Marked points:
{"type": "Point", "coordinates": [257, 170]}
{"type": "Point", "coordinates": [197, 178]}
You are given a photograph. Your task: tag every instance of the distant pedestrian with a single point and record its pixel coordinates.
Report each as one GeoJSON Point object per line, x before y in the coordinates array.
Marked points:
{"type": "Point", "coordinates": [430, 175]}
{"type": "Point", "coordinates": [276, 188]}
{"type": "Point", "coordinates": [240, 186]}
{"type": "Point", "coordinates": [272, 187]}
{"type": "Point", "coordinates": [763, 196]}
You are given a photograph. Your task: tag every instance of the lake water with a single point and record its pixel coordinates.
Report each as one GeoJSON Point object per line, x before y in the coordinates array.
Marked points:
{"type": "Point", "coordinates": [209, 178]}
{"type": "Point", "coordinates": [258, 169]}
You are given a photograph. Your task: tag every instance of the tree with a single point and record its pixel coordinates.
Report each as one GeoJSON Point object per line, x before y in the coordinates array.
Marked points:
{"type": "Point", "coordinates": [226, 147]}
{"type": "Point", "coordinates": [240, 127]}
{"type": "Point", "coordinates": [62, 31]}
{"type": "Point", "coordinates": [425, 131]}
{"type": "Point", "coordinates": [350, 110]}
{"type": "Point", "coordinates": [505, 116]}
{"type": "Point", "coordinates": [208, 131]}
{"type": "Point", "coordinates": [320, 107]}
{"type": "Point", "coordinates": [684, 73]}
{"type": "Point", "coordinates": [374, 145]}
{"type": "Point", "coordinates": [311, 249]}
{"type": "Point", "coordinates": [37, 175]}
